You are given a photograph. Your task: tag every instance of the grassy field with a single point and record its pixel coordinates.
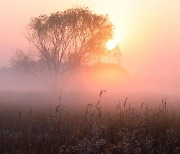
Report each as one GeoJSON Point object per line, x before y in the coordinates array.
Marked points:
{"type": "Point", "coordinates": [56, 129]}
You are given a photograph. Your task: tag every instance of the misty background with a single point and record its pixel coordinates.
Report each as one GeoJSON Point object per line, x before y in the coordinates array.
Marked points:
{"type": "Point", "coordinates": [148, 34]}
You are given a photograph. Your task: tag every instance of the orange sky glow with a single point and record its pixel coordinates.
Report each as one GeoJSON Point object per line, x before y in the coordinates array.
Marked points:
{"type": "Point", "coordinates": [148, 32]}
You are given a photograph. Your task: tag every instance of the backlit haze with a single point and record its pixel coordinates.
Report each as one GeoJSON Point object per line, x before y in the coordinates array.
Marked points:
{"type": "Point", "coordinates": [148, 33]}
{"type": "Point", "coordinates": [82, 92]}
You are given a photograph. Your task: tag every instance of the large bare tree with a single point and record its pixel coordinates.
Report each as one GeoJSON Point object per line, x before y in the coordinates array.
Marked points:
{"type": "Point", "coordinates": [63, 41]}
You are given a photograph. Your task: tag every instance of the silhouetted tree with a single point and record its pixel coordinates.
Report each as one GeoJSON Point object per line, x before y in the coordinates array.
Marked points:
{"type": "Point", "coordinates": [63, 41]}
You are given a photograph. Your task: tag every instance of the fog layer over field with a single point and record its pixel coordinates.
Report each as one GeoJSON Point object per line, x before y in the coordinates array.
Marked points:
{"type": "Point", "coordinates": [84, 86]}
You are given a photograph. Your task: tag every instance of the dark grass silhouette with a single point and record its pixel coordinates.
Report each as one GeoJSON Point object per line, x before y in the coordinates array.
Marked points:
{"type": "Point", "coordinates": [93, 130]}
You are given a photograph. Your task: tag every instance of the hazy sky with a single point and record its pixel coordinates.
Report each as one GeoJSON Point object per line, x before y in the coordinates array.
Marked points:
{"type": "Point", "coordinates": [148, 31]}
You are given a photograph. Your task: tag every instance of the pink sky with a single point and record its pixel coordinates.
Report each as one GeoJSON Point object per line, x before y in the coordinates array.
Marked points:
{"type": "Point", "coordinates": [148, 31]}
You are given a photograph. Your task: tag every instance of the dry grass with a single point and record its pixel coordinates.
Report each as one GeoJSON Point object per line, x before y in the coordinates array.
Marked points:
{"type": "Point", "coordinates": [56, 130]}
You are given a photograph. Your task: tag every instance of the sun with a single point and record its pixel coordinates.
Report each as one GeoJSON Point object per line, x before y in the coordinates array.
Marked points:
{"type": "Point", "coordinates": [111, 44]}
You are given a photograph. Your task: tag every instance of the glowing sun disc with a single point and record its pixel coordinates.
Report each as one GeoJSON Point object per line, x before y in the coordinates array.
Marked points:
{"type": "Point", "coordinates": [111, 44]}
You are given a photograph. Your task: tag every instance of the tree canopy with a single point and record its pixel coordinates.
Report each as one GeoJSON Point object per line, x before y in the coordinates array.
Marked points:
{"type": "Point", "coordinates": [65, 40]}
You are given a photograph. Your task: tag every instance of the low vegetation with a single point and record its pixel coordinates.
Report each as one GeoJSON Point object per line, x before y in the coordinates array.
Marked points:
{"type": "Point", "coordinates": [56, 130]}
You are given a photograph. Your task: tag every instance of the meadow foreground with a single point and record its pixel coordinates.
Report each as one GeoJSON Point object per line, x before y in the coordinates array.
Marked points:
{"type": "Point", "coordinates": [55, 129]}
